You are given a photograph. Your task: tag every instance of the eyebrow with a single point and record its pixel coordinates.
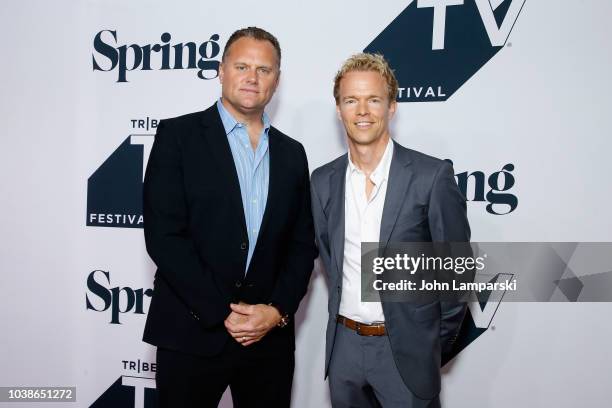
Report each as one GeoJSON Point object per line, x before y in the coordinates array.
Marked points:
{"type": "Point", "coordinates": [357, 97]}
{"type": "Point", "coordinates": [258, 66]}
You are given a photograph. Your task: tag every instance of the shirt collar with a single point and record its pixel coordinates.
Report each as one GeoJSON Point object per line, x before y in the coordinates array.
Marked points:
{"type": "Point", "coordinates": [229, 122]}
{"type": "Point", "coordinates": [381, 172]}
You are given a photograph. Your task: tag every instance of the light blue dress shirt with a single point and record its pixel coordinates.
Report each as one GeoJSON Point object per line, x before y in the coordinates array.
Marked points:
{"type": "Point", "coordinates": [253, 168]}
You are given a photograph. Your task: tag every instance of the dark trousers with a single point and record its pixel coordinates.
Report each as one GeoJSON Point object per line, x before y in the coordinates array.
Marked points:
{"type": "Point", "coordinates": [255, 379]}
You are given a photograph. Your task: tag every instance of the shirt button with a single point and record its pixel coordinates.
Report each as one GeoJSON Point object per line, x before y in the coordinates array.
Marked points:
{"type": "Point", "coordinates": [254, 201]}
{"type": "Point", "coordinates": [243, 245]}
{"type": "Point", "coordinates": [238, 284]}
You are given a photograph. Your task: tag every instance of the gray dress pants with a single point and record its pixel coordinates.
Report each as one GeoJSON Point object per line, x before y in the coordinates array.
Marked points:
{"type": "Point", "coordinates": [362, 373]}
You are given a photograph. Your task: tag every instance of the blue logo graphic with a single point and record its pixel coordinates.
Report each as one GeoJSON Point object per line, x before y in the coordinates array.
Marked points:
{"type": "Point", "coordinates": [114, 190]}
{"type": "Point", "coordinates": [435, 46]}
{"type": "Point", "coordinates": [128, 392]}
{"type": "Point", "coordinates": [477, 320]}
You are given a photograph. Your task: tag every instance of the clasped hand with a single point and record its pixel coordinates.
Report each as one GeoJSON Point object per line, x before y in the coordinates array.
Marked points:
{"type": "Point", "coordinates": [247, 324]}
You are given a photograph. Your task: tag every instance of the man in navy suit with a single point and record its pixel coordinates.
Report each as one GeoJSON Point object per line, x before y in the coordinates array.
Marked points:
{"type": "Point", "coordinates": [228, 223]}
{"type": "Point", "coordinates": [382, 353]}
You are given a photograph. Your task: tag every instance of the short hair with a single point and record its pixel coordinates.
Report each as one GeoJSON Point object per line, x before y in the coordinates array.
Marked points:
{"type": "Point", "coordinates": [255, 33]}
{"type": "Point", "coordinates": [365, 62]}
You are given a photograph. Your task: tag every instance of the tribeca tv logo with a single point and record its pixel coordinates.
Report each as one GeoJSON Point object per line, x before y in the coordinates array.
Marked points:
{"type": "Point", "coordinates": [128, 392]}
{"type": "Point", "coordinates": [478, 318]}
{"type": "Point", "coordinates": [114, 190]}
{"type": "Point", "coordinates": [435, 46]}
{"type": "Point", "coordinates": [162, 56]}
{"type": "Point", "coordinates": [133, 390]}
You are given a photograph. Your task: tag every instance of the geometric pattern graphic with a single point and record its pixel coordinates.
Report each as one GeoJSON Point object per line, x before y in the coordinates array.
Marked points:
{"type": "Point", "coordinates": [566, 272]}
{"type": "Point", "coordinates": [435, 46]}
{"type": "Point", "coordinates": [114, 190]}
{"type": "Point", "coordinates": [477, 321]}
{"type": "Point", "coordinates": [128, 392]}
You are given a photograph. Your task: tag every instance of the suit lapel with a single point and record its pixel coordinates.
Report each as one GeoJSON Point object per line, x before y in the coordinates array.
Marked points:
{"type": "Point", "coordinates": [336, 211]}
{"type": "Point", "coordinates": [215, 135]}
{"type": "Point", "coordinates": [397, 186]}
{"type": "Point", "coordinates": [274, 181]}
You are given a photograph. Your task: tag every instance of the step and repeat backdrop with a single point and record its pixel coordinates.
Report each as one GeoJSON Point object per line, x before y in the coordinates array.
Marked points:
{"type": "Point", "coordinates": [516, 93]}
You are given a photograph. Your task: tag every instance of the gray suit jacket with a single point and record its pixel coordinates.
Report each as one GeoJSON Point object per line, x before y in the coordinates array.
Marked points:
{"type": "Point", "coordinates": [423, 204]}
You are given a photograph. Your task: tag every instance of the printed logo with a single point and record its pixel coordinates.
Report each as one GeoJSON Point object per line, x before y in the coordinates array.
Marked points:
{"type": "Point", "coordinates": [128, 392]}
{"type": "Point", "coordinates": [435, 46]}
{"type": "Point", "coordinates": [110, 56]}
{"type": "Point", "coordinates": [114, 190]}
{"type": "Point", "coordinates": [116, 300]}
{"type": "Point", "coordinates": [478, 319]}
{"type": "Point", "coordinates": [494, 190]}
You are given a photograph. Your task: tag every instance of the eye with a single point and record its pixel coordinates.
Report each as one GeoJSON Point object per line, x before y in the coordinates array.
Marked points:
{"type": "Point", "coordinates": [264, 71]}
{"type": "Point", "coordinates": [241, 67]}
{"type": "Point", "coordinates": [375, 100]}
{"type": "Point", "coordinates": [349, 101]}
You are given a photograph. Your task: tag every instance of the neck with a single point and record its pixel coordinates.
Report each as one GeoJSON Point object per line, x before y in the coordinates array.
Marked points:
{"type": "Point", "coordinates": [250, 118]}
{"type": "Point", "coordinates": [367, 157]}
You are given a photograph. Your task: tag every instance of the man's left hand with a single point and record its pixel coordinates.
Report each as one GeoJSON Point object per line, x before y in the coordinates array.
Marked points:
{"type": "Point", "coordinates": [260, 319]}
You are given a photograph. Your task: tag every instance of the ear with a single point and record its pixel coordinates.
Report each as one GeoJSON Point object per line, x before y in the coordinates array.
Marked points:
{"type": "Point", "coordinates": [338, 112]}
{"type": "Point", "coordinates": [221, 69]}
{"type": "Point", "coordinates": [392, 108]}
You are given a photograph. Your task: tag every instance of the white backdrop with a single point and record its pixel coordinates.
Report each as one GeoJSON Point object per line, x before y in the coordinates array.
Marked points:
{"type": "Point", "coordinates": [542, 103]}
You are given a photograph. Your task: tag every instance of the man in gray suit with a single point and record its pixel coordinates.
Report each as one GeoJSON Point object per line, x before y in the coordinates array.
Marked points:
{"type": "Point", "coordinates": [382, 353]}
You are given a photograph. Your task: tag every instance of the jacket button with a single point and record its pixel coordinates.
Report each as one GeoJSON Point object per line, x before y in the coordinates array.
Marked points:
{"type": "Point", "coordinates": [243, 245]}
{"type": "Point", "coordinates": [238, 284]}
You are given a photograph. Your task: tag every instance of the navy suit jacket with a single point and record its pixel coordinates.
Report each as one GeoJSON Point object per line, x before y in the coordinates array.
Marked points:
{"type": "Point", "coordinates": [195, 232]}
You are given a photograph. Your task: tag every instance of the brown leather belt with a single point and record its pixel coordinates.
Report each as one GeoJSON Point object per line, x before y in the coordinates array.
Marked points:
{"type": "Point", "coordinates": [362, 329]}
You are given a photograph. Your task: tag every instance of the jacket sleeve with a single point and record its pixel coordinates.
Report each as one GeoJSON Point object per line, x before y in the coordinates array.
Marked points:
{"type": "Point", "coordinates": [448, 223]}
{"type": "Point", "coordinates": [301, 251]}
{"type": "Point", "coordinates": [320, 222]}
{"type": "Point", "coordinates": [167, 237]}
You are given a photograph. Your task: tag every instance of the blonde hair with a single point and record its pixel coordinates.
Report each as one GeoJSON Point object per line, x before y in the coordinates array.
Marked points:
{"type": "Point", "coordinates": [367, 62]}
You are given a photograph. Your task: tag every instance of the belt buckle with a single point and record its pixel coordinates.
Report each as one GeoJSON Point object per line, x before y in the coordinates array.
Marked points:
{"type": "Point", "coordinates": [372, 325]}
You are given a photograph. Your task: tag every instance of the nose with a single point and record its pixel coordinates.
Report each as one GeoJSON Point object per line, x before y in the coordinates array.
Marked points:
{"type": "Point", "coordinates": [252, 76]}
{"type": "Point", "coordinates": [362, 108]}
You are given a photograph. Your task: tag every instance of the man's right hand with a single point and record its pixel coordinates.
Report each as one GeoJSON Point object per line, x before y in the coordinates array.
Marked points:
{"type": "Point", "coordinates": [236, 318]}
{"type": "Point", "coordinates": [253, 322]}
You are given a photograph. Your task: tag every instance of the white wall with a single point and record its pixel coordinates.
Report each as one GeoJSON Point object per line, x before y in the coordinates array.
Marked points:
{"type": "Point", "coordinates": [542, 104]}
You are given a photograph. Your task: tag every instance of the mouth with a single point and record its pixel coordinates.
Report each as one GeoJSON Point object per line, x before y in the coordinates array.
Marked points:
{"type": "Point", "coordinates": [363, 124]}
{"type": "Point", "coordinates": [251, 91]}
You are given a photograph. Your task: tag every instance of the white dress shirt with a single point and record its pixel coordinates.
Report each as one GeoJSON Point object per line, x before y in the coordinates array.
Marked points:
{"type": "Point", "coordinates": [362, 217]}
